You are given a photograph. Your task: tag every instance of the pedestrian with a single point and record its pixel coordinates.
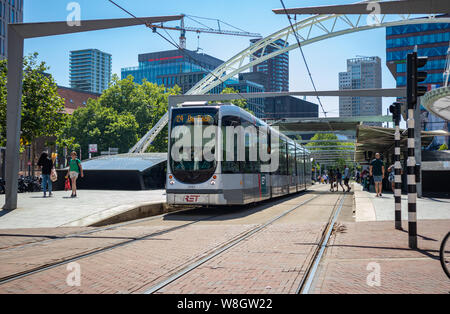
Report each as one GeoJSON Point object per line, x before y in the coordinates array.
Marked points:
{"type": "Point", "coordinates": [46, 165]}
{"type": "Point", "coordinates": [347, 177]}
{"type": "Point", "coordinates": [74, 171]}
{"type": "Point", "coordinates": [391, 177]}
{"type": "Point", "coordinates": [332, 178]}
{"type": "Point", "coordinates": [339, 180]}
{"type": "Point", "coordinates": [377, 171]}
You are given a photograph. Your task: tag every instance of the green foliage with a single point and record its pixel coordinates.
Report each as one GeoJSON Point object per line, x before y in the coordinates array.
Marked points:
{"type": "Point", "coordinates": [242, 103]}
{"type": "Point", "coordinates": [125, 107]}
{"type": "Point", "coordinates": [443, 147]}
{"type": "Point", "coordinates": [42, 107]}
{"type": "Point", "coordinates": [331, 145]}
{"type": "Point", "coordinates": [96, 124]}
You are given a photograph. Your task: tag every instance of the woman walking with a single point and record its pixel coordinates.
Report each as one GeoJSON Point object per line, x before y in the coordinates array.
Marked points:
{"type": "Point", "coordinates": [46, 165]}
{"type": "Point", "coordinates": [74, 171]}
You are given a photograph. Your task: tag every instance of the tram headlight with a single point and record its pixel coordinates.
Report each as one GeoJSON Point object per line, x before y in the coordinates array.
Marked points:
{"type": "Point", "coordinates": [213, 182]}
{"type": "Point", "coordinates": [172, 182]}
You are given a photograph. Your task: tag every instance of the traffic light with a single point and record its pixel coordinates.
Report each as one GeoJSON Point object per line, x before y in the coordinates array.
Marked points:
{"type": "Point", "coordinates": [414, 77]}
{"type": "Point", "coordinates": [395, 109]}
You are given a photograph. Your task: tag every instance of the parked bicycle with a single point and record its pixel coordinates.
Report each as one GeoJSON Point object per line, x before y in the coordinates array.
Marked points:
{"type": "Point", "coordinates": [28, 184]}
{"type": "Point", "coordinates": [2, 186]}
{"type": "Point", "coordinates": [444, 254]}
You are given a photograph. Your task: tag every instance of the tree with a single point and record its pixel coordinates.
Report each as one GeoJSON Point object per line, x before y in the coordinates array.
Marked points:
{"type": "Point", "coordinates": [241, 103]}
{"type": "Point", "coordinates": [146, 103]}
{"type": "Point", "coordinates": [443, 147]}
{"type": "Point", "coordinates": [330, 142]}
{"type": "Point", "coordinates": [42, 108]}
{"type": "Point", "coordinates": [96, 124]}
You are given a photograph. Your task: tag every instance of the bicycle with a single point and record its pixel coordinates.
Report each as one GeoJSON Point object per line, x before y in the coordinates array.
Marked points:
{"type": "Point", "coordinates": [444, 254]}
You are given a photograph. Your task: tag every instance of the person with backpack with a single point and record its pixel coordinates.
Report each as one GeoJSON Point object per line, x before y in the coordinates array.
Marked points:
{"type": "Point", "coordinates": [74, 171]}
{"type": "Point", "coordinates": [46, 165]}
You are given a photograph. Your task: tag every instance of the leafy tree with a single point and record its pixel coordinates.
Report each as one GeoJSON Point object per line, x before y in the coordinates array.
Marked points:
{"type": "Point", "coordinates": [42, 107]}
{"type": "Point", "coordinates": [96, 124]}
{"type": "Point", "coordinates": [330, 143]}
{"type": "Point", "coordinates": [146, 103]}
{"type": "Point", "coordinates": [242, 103]}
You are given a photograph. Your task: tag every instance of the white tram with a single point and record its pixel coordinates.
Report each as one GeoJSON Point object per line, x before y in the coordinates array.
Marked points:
{"type": "Point", "coordinates": [216, 182]}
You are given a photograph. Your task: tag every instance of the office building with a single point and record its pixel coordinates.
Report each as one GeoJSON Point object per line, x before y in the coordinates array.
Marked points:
{"type": "Point", "coordinates": [173, 67]}
{"type": "Point", "coordinates": [289, 107]}
{"type": "Point", "coordinates": [277, 68]}
{"type": "Point", "coordinates": [90, 70]}
{"type": "Point", "coordinates": [362, 73]}
{"type": "Point", "coordinates": [432, 40]}
{"type": "Point", "coordinates": [11, 11]}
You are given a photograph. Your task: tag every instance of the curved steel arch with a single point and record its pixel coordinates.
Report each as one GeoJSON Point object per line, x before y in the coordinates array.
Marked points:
{"type": "Point", "coordinates": [327, 26]}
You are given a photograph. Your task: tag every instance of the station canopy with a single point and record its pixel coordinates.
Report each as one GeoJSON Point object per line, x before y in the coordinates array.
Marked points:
{"type": "Point", "coordinates": [290, 126]}
{"type": "Point", "coordinates": [137, 162]}
{"type": "Point", "coordinates": [378, 139]}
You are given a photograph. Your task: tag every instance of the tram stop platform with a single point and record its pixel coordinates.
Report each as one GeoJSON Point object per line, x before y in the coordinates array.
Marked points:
{"type": "Point", "coordinates": [90, 208]}
{"type": "Point", "coordinates": [368, 255]}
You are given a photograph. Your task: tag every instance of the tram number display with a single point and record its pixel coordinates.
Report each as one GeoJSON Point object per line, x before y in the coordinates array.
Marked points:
{"type": "Point", "coordinates": [189, 119]}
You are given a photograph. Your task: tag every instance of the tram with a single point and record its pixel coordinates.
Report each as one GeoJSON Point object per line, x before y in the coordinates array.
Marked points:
{"type": "Point", "coordinates": [227, 179]}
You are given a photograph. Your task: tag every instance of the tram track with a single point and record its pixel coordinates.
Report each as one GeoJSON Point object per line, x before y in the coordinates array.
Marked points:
{"type": "Point", "coordinates": [225, 247]}
{"type": "Point", "coordinates": [311, 268]}
{"type": "Point", "coordinates": [51, 265]}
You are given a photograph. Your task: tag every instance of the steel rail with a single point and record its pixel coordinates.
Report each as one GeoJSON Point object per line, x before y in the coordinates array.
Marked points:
{"type": "Point", "coordinates": [223, 249]}
{"type": "Point", "coordinates": [306, 283]}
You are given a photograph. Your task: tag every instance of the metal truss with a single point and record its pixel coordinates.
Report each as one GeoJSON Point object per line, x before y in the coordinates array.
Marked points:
{"type": "Point", "coordinates": [308, 30]}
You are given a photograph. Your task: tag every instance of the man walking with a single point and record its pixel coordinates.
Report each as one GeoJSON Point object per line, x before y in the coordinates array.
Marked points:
{"type": "Point", "coordinates": [347, 177]}
{"type": "Point", "coordinates": [377, 171]}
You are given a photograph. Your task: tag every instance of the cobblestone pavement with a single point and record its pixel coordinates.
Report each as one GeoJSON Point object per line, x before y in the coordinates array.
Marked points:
{"type": "Point", "coordinates": [360, 249]}
{"type": "Point", "coordinates": [276, 256]}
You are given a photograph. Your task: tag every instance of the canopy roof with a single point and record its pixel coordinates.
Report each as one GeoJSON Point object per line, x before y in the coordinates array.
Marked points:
{"type": "Point", "coordinates": [138, 162]}
{"type": "Point", "coordinates": [378, 139]}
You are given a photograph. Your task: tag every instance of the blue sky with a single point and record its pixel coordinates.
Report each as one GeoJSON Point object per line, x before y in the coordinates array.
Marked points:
{"type": "Point", "coordinates": [325, 58]}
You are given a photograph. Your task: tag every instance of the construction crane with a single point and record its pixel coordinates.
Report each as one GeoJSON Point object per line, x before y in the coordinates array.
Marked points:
{"type": "Point", "coordinates": [205, 29]}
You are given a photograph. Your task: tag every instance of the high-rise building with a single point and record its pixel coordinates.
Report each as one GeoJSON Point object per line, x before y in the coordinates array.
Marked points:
{"type": "Point", "coordinates": [432, 40]}
{"type": "Point", "coordinates": [11, 11]}
{"type": "Point", "coordinates": [277, 68]}
{"type": "Point", "coordinates": [170, 68]}
{"type": "Point", "coordinates": [90, 70]}
{"type": "Point", "coordinates": [362, 73]}
{"type": "Point", "coordinates": [173, 67]}
{"type": "Point", "coordinates": [290, 107]}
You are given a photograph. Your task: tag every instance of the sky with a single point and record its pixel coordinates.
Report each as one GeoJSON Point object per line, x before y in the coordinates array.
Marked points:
{"type": "Point", "coordinates": [325, 58]}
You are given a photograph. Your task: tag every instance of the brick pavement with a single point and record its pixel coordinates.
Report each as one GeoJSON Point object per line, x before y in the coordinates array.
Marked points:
{"type": "Point", "coordinates": [346, 264]}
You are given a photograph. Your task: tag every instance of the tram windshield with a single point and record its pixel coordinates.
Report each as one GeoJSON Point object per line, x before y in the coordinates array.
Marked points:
{"type": "Point", "coordinates": [187, 162]}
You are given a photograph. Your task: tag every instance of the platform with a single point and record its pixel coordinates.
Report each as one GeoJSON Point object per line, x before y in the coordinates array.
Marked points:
{"type": "Point", "coordinates": [371, 208]}
{"type": "Point", "coordinates": [90, 207]}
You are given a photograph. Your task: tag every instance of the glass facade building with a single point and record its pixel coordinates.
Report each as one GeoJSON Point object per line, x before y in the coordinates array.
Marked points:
{"type": "Point", "coordinates": [90, 70]}
{"type": "Point", "coordinates": [361, 73]}
{"type": "Point", "coordinates": [11, 11]}
{"type": "Point", "coordinates": [432, 40]}
{"type": "Point", "coordinates": [173, 67]}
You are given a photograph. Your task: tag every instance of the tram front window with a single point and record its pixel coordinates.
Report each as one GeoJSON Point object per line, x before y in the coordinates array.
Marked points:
{"type": "Point", "coordinates": [187, 166]}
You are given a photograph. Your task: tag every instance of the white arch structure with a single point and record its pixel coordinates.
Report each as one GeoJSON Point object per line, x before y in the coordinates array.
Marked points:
{"type": "Point", "coordinates": [309, 30]}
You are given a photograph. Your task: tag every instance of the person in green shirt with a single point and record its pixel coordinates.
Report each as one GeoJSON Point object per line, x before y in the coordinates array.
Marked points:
{"type": "Point", "coordinates": [377, 171]}
{"type": "Point", "coordinates": [75, 169]}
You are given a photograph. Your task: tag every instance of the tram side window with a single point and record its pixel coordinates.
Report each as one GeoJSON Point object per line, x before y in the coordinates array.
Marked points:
{"type": "Point", "coordinates": [283, 158]}
{"type": "Point", "coordinates": [230, 166]}
{"type": "Point", "coordinates": [291, 152]}
{"type": "Point", "coordinates": [249, 165]}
